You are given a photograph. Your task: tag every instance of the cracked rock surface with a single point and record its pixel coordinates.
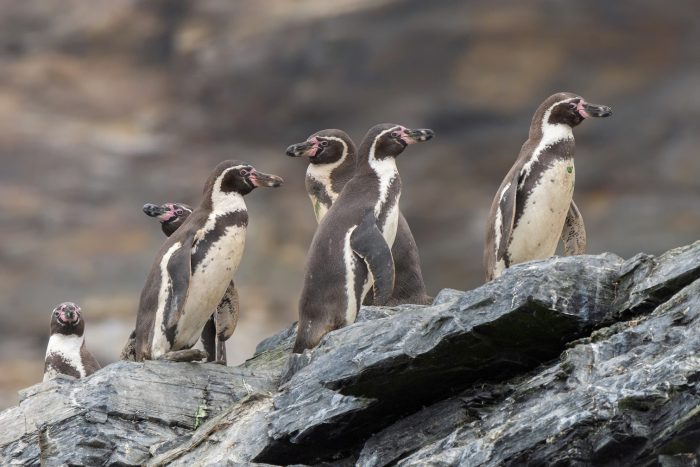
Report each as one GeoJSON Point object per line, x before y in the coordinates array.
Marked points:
{"type": "Point", "coordinates": [588, 360]}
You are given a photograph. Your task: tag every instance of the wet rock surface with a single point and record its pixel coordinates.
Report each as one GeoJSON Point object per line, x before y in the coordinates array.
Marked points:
{"type": "Point", "coordinates": [589, 360]}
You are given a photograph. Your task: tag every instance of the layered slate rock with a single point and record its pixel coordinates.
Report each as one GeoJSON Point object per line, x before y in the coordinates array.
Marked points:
{"type": "Point", "coordinates": [122, 413]}
{"type": "Point", "coordinates": [629, 394]}
{"type": "Point", "coordinates": [588, 360]}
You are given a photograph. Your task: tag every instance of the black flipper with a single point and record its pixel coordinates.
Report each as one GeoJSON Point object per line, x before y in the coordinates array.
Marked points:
{"type": "Point", "coordinates": [368, 243]}
{"type": "Point", "coordinates": [503, 215]}
{"type": "Point", "coordinates": [180, 270]}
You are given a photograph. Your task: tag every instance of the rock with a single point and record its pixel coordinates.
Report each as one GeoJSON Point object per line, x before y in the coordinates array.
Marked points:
{"type": "Point", "coordinates": [627, 395]}
{"type": "Point", "coordinates": [121, 412]}
{"type": "Point", "coordinates": [588, 360]}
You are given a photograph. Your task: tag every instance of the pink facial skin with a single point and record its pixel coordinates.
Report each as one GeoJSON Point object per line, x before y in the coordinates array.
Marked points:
{"type": "Point", "coordinates": [167, 215]}
{"type": "Point", "coordinates": [581, 110]}
{"type": "Point", "coordinates": [404, 136]}
{"type": "Point", "coordinates": [63, 308]}
{"type": "Point", "coordinates": [311, 152]}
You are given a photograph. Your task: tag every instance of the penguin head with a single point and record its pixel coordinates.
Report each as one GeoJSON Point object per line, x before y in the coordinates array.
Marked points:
{"type": "Point", "coordinates": [389, 140]}
{"type": "Point", "coordinates": [324, 147]}
{"type": "Point", "coordinates": [66, 318]}
{"type": "Point", "coordinates": [568, 109]}
{"type": "Point", "coordinates": [170, 215]}
{"type": "Point", "coordinates": [238, 177]}
{"type": "Point", "coordinates": [168, 212]}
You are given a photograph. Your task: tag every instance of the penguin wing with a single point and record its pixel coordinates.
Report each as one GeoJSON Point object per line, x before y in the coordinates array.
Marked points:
{"type": "Point", "coordinates": [368, 243]}
{"type": "Point", "coordinates": [227, 313]}
{"type": "Point", "coordinates": [501, 226]}
{"type": "Point", "coordinates": [179, 269]}
{"type": "Point", "coordinates": [574, 233]}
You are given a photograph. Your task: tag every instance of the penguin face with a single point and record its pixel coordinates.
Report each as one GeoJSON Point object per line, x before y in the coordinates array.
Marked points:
{"type": "Point", "coordinates": [571, 110]}
{"type": "Point", "coordinates": [392, 142]}
{"type": "Point", "coordinates": [244, 178]}
{"type": "Point", "coordinates": [168, 213]}
{"type": "Point", "coordinates": [66, 318]}
{"type": "Point", "coordinates": [324, 147]}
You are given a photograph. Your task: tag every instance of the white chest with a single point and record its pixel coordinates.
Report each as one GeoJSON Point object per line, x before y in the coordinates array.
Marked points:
{"type": "Point", "coordinates": [539, 228]}
{"type": "Point", "coordinates": [66, 347]}
{"type": "Point", "coordinates": [208, 283]}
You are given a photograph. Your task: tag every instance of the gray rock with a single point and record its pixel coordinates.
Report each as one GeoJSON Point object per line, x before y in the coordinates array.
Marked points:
{"type": "Point", "coordinates": [628, 395]}
{"type": "Point", "coordinates": [588, 360]}
{"type": "Point", "coordinates": [121, 412]}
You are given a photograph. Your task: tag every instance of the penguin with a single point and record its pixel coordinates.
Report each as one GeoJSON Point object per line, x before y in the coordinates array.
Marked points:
{"type": "Point", "coordinates": [66, 352]}
{"type": "Point", "coordinates": [534, 208]}
{"type": "Point", "coordinates": [195, 266]}
{"type": "Point", "coordinates": [351, 249]}
{"type": "Point", "coordinates": [222, 323]}
{"type": "Point", "coordinates": [331, 155]}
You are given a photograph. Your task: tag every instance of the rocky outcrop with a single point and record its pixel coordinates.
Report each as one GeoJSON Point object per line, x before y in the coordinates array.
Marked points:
{"type": "Point", "coordinates": [589, 360]}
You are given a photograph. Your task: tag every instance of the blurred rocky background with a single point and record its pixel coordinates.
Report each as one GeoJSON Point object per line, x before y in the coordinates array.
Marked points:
{"type": "Point", "coordinates": [108, 105]}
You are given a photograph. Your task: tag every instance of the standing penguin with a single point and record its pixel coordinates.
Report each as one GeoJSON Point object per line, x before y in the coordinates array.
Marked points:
{"type": "Point", "coordinates": [533, 208]}
{"type": "Point", "coordinates": [331, 156]}
{"type": "Point", "coordinates": [222, 323]}
{"type": "Point", "coordinates": [195, 266]}
{"type": "Point", "coordinates": [351, 250]}
{"type": "Point", "coordinates": [66, 352]}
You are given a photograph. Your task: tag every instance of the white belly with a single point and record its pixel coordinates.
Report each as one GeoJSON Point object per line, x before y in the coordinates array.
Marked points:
{"type": "Point", "coordinates": [208, 285]}
{"type": "Point", "coordinates": [539, 229]}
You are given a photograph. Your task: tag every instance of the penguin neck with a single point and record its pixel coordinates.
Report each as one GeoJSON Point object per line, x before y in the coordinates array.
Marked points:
{"type": "Point", "coordinates": [549, 133]}
{"type": "Point", "coordinates": [386, 172]}
{"type": "Point", "coordinates": [335, 175]}
{"type": "Point", "coordinates": [383, 168]}
{"type": "Point", "coordinates": [225, 202]}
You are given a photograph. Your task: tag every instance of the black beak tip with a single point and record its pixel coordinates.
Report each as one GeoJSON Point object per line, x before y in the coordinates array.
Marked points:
{"type": "Point", "coordinates": [292, 151]}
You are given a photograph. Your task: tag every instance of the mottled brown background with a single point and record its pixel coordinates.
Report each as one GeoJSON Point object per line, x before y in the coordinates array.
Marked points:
{"type": "Point", "coordinates": [107, 105]}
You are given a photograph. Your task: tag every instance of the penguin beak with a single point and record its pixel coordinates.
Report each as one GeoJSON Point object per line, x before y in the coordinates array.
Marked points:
{"type": "Point", "coordinates": [587, 110]}
{"type": "Point", "coordinates": [265, 180]}
{"type": "Point", "coordinates": [153, 210]}
{"type": "Point", "coordinates": [417, 136]}
{"type": "Point", "coordinates": [301, 149]}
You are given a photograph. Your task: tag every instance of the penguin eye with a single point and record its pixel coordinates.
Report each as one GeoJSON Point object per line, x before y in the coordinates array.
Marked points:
{"type": "Point", "coordinates": [324, 143]}
{"type": "Point", "coordinates": [244, 172]}
{"type": "Point", "coordinates": [573, 105]}
{"type": "Point", "coordinates": [395, 134]}
{"type": "Point", "coordinates": [178, 212]}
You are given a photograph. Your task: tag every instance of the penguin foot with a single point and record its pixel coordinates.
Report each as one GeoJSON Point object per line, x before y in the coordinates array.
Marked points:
{"type": "Point", "coordinates": [186, 355]}
{"type": "Point", "coordinates": [219, 362]}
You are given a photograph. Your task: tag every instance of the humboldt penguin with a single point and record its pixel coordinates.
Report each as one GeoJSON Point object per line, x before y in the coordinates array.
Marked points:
{"type": "Point", "coordinates": [331, 155]}
{"type": "Point", "coordinates": [351, 249]}
{"type": "Point", "coordinates": [222, 323]}
{"type": "Point", "coordinates": [195, 266]}
{"type": "Point", "coordinates": [66, 352]}
{"type": "Point", "coordinates": [534, 208]}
